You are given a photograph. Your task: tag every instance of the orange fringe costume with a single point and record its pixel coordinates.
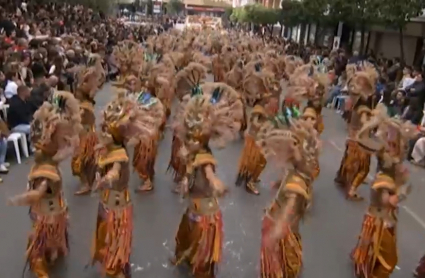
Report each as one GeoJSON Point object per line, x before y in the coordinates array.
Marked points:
{"type": "Point", "coordinates": [145, 151]}
{"type": "Point", "coordinates": [200, 236]}
{"type": "Point", "coordinates": [84, 160]}
{"type": "Point", "coordinates": [188, 82]}
{"type": "Point", "coordinates": [252, 161]}
{"type": "Point", "coordinates": [286, 260]}
{"type": "Point", "coordinates": [355, 163]}
{"type": "Point", "coordinates": [312, 113]}
{"type": "Point", "coordinates": [376, 252]}
{"type": "Point", "coordinates": [281, 247]}
{"type": "Point", "coordinates": [114, 225]}
{"type": "Point", "coordinates": [48, 240]}
{"type": "Point", "coordinates": [123, 122]}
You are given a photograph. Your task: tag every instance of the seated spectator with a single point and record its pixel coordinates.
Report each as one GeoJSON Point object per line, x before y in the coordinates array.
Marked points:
{"type": "Point", "coordinates": [11, 84]}
{"type": "Point", "coordinates": [4, 133]}
{"type": "Point", "coordinates": [398, 104]}
{"type": "Point", "coordinates": [337, 89]}
{"type": "Point", "coordinates": [407, 79]}
{"type": "Point", "coordinates": [416, 152]}
{"type": "Point", "coordinates": [38, 95]}
{"type": "Point", "coordinates": [20, 113]}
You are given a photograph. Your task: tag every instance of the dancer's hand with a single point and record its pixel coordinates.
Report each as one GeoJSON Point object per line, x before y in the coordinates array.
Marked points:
{"type": "Point", "coordinates": [393, 200]}
{"type": "Point", "coordinates": [219, 186]}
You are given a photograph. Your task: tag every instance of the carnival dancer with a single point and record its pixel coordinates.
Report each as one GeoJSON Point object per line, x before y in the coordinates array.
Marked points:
{"type": "Point", "coordinates": [313, 111]}
{"type": "Point", "coordinates": [145, 151]}
{"type": "Point", "coordinates": [252, 161]}
{"type": "Point", "coordinates": [213, 115]}
{"type": "Point", "coordinates": [154, 80]}
{"type": "Point", "coordinates": [234, 78]}
{"type": "Point", "coordinates": [375, 254]}
{"type": "Point", "coordinates": [296, 145]}
{"type": "Point", "coordinates": [124, 123]}
{"type": "Point", "coordinates": [84, 160]}
{"type": "Point", "coordinates": [188, 83]}
{"type": "Point", "coordinates": [54, 133]}
{"type": "Point", "coordinates": [355, 163]}
{"type": "Point", "coordinates": [419, 272]}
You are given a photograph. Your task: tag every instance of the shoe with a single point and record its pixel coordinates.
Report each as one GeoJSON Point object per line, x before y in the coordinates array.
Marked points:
{"type": "Point", "coordinates": [3, 169]}
{"type": "Point", "coordinates": [7, 164]}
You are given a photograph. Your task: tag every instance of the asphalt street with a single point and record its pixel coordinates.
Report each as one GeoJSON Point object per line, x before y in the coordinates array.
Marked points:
{"type": "Point", "coordinates": [329, 232]}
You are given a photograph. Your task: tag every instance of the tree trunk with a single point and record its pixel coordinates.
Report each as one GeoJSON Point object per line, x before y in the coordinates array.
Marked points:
{"type": "Point", "coordinates": [302, 33]}
{"type": "Point", "coordinates": [353, 36]}
{"type": "Point", "coordinates": [308, 33]}
{"type": "Point", "coordinates": [316, 35]}
{"type": "Point", "coordinates": [362, 30]}
{"type": "Point", "coordinates": [270, 28]}
{"type": "Point", "coordinates": [367, 43]}
{"type": "Point", "coordinates": [401, 45]}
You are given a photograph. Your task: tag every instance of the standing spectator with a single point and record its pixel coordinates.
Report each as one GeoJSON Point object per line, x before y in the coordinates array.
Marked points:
{"type": "Point", "coordinates": [416, 96]}
{"type": "Point", "coordinates": [20, 113]}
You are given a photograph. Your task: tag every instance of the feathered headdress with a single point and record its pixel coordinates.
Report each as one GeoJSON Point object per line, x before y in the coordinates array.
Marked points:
{"type": "Point", "coordinates": [56, 126]}
{"type": "Point", "coordinates": [362, 83]}
{"type": "Point", "coordinates": [189, 80]}
{"type": "Point", "coordinates": [213, 114]}
{"type": "Point", "coordinates": [129, 57]}
{"type": "Point", "coordinates": [124, 122]}
{"type": "Point", "coordinates": [296, 143]}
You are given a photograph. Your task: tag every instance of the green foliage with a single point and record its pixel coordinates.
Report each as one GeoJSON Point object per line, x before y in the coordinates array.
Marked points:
{"type": "Point", "coordinates": [292, 13]}
{"type": "Point", "coordinates": [398, 13]}
{"type": "Point", "coordinates": [175, 7]}
{"type": "Point", "coordinates": [149, 7]}
{"type": "Point", "coordinates": [228, 12]}
{"type": "Point", "coordinates": [256, 14]}
{"type": "Point", "coordinates": [355, 12]}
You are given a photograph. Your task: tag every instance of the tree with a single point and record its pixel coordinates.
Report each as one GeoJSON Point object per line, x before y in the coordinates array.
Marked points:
{"type": "Point", "coordinates": [397, 14]}
{"type": "Point", "coordinates": [149, 7]}
{"type": "Point", "coordinates": [257, 14]}
{"type": "Point", "coordinates": [356, 13]}
{"type": "Point", "coordinates": [175, 7]}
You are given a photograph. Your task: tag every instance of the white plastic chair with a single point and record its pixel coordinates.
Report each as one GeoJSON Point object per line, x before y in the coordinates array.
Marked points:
{"type": "Point", "coordinates": [14, 137]}
{"type": "Point", "coordinates": [4, 108]}
{"type": "Point", "coordinates": [423, 118]}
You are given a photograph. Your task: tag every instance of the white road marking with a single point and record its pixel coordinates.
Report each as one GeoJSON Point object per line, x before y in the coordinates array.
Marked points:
{"type": "Point", "coordinates": [335, 145]}
{"type": "Point", "coordinates": [414, 216]}
{"type": "Point", "coordinates": [396, 267]}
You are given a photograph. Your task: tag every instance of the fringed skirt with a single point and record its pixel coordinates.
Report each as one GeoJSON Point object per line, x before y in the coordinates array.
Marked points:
{"type": "Point", "coordinates": [199, 238]}
{"type": "Point", "coordinates": [320, 124]}
{"type": "Point", "coordinates": [354, 165]}
{"type": "Point", "coordinates": [176, 164]}
{"type": "Point", "coordinates": [244, 123]}
{"type": "Point", "coordinates": [316, 170]}
{"type": "Point", "coordinates": [84, 161]}
{"type": "Point", "coordinates": [113, 239]}
{"type": "Point", "coordinates": [375, 255]}
{"type": "Point", "coordinates": [145, 157]}
{"type": "Point", "coordinates": [47, 241]}
{"type": "Point", "coordinates": [251, 163]}
{"type": "Point", "coordinates": [285, 261]}
{"type": "Point", "coordinates": [420, 269]}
